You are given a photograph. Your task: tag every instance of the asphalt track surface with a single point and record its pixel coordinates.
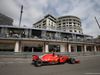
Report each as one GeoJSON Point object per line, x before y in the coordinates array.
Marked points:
{"type": "Point", "coordinates": [90, 65]}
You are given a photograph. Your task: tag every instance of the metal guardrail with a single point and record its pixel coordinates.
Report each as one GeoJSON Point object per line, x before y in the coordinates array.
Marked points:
{"type": "Point", "coordinates": [29, 54]}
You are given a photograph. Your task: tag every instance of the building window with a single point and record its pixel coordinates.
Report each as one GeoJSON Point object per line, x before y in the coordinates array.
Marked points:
{"type": "Point", "coordinates": [66, 20]}
{"type": "Point", "coordinates": [74, 30]}
{"type": "Point", "coordinates": [70, 30]}
{"type": "Point", "coordinates": [59, 24]}
{"type": "Point", "coordinates": [70, 20]}
{"type": "Point", "coordinates": [54, 48]}
{"type": "Point", "coordinates": [63, 23]}
{"type": "Point", "coordinates": [70, 23]}
{"type": "Point", "coordinates": [73, 20]}
{"type": "Point", "coordinates": [44, 21]}
{"type": "Point", "coordinates": [78, 24]}
{"type": "Point", "coordinates": [59, 21]}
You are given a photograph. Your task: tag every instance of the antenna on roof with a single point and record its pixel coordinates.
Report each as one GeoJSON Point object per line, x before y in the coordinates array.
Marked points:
{"type": "Point", "coordinates": [97, 22]}
{"type": "Point", "coordinates": [21, 15]}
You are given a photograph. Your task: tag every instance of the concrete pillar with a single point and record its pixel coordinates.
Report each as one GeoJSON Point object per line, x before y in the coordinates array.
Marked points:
{"type": "Point", "coordinates": [46, 47]}
{"type": "Point", "coordinates": [30, 34]}
{"type": "Point", "coordinates": [26, 33]}
{"type": "Point", "coordinates": [69, 47]}
{"type": "Point", "coordinates": [84, 38]}
{"type": "Point", "coordinates": [6, 32]}
{"type": "Point", "coordinates": [62, 48]}
{"type": "Point", "coordinates": [85, 48]}
{"type": "Point", "coordinates": [59, 36]}
{"type": "Point", "coordinates": [72, 37]}
{"type": "Point", "coordinates": [75, 48]}
{"type": "Point", "coordinates": [95, 49]}
{"type": "Point", "coordinates": [2, 31]}
{"type": "Point", "coordinates": [92, 39]}
{"type": "Point", "coordinates": [66, 48]}
{"type": "Point", "coordinates": [16, 46]}
{"type": "Point", "coordinates": [43, 34]}
{"type": "Point", "coordinates": [32, 49]}
{"type": "Point", "coordinates": [43, 48]}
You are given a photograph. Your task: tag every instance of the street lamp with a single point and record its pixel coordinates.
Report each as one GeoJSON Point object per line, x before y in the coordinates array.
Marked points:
{"type": "Point", "coordinates": [21, 15]}
{"type": "Point", "coordinates": [97, 22]}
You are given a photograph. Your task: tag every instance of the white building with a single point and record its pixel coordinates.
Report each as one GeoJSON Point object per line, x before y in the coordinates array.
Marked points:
{"type": "Point", "coordinates": [69, 24]}
{"type": "Point", "coordinates": [63, 23]}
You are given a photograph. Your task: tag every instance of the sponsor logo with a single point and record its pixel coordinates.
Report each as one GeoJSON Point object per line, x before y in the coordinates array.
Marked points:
{"type": "Point", "coordinates": [52, 60]}
{"type": "Point", "coordinates": [56, 60]}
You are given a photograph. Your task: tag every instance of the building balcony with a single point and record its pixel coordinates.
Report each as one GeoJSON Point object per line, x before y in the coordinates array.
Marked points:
{"type": "Point", "coordinates": [45, 38]}
{"type": "Point", "coordinates": [18, 33]}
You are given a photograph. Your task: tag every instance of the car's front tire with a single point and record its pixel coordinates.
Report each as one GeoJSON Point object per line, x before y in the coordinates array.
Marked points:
{"type": "Point", "coordinates": [72, 60]}
{"type": "Point", "coordinates": [38, 63]}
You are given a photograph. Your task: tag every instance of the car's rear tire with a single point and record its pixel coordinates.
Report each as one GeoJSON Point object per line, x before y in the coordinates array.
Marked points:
{"type": "Point", "coordinates": [72, 60]}
{"type": "Point", "coordinates": [38, 63]}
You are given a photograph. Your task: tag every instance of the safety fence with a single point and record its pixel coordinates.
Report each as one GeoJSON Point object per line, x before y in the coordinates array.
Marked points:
{"type": "Point", "coordinates": [29, 54]}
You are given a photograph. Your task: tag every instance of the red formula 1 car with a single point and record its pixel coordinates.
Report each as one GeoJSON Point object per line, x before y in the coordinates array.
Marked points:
{"type": "Point", "coordinates": [52, 59]}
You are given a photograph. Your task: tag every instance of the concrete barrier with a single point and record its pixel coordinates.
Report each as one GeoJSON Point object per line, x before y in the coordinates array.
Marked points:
{"type": "Point", "coordinates": [29, 54]}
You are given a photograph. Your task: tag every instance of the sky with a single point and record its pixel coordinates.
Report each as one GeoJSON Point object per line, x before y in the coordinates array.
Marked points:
{"type": "Point", "coordinates": [35, 10]}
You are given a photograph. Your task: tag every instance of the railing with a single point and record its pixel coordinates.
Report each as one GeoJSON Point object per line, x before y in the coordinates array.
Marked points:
{"type": "Point", "coordinates": [18, 36]}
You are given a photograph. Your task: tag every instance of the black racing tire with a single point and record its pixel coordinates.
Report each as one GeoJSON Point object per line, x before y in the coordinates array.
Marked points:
{"type": "Point", "coordinates": [72, 60]}
{"type": "Point", "coordinates": [38, 63]}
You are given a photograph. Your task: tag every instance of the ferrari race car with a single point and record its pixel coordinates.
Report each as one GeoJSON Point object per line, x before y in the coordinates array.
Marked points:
{"type": "Point", "coordinates": [52, 59]}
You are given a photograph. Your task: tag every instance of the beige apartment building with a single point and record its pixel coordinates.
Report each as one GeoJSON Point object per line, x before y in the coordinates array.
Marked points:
{"type": "Point", "coordinates": [48, 22]}
{"type": "Point", "coordinates": [64, 23]}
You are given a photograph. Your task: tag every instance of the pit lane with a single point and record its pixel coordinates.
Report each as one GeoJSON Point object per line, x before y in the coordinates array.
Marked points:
{"type": "Point", "coordinates": [89, 65]}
